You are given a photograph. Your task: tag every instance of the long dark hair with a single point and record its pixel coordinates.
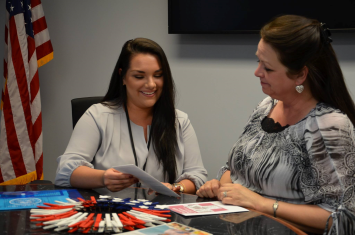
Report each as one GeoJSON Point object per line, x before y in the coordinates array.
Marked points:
{"type": "Point", "coordinates": [164, 139]}
{"type": "Point", "coordinates": [300, 42]}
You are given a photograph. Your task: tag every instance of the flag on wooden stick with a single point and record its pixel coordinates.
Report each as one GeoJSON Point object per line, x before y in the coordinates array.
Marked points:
{"type": "Point", "coordinates": [27, 47]}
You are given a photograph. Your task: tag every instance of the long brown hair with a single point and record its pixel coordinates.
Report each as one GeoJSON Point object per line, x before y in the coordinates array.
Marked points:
{"type": "Point", "coordinates": [164, 139]}
{"type": "Point", "coordinates": [299, 42]}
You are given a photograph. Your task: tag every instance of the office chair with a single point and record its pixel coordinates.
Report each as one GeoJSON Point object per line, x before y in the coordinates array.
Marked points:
{"type": "Point", "coordinates": [80, 105]}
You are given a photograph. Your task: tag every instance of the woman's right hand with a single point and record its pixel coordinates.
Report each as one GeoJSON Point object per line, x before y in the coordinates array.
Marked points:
{"type": "Point", "coordinates": [209, 189]}
{"type": "Point", "coordinates": [115, 180]}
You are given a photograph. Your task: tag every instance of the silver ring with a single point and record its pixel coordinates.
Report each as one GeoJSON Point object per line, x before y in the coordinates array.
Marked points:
{"type": "Point", "coordinates": [224, 194]}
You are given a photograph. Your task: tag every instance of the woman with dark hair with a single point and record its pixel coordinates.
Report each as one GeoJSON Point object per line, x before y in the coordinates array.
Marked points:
{"type": "Point", "coordinates": [296, 156]}
{"type": "Point", "coordinates": [136, 123]}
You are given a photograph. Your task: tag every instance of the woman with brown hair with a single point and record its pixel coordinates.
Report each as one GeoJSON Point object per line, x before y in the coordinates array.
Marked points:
{"type": "Point", "coordinates": [296, 156]}
{"type": "Point", "coordinates": [136, 123]}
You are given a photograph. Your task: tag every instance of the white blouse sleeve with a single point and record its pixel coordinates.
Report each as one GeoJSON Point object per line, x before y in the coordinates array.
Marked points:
{"type": "Point", "coordinates": [193, 168]}
{"type": "Point", "coordinates": [82, 147]}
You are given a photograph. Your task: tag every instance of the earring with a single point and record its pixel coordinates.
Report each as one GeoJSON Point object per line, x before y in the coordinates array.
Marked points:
{"type": "Point", "coordinates": [299, 88]}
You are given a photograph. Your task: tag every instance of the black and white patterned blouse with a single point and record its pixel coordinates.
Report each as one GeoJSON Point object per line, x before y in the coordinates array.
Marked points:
{"type": "Point", "coordinates": [311, 162]}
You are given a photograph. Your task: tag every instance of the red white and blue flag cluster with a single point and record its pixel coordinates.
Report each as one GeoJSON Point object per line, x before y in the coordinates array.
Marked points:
{"type": "Point", "coordinates": [104, 215]}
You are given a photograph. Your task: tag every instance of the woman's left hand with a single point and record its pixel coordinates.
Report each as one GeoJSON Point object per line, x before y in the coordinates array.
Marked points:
{"type": "Point", "coordinates": [239, 195]}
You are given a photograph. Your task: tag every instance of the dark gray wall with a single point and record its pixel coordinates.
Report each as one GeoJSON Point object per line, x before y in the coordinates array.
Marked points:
{"type": "Point", "coordinates": [214, 74]}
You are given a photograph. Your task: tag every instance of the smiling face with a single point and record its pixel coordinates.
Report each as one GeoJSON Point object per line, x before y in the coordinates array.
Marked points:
{"type": "Point", "coordinates": [144, 81]}
{"type": "Point", "coordinates": [273, 75]}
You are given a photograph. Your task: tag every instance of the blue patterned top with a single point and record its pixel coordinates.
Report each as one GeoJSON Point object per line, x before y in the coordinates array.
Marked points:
{"type": "Point", "coordinates": [311, 162]}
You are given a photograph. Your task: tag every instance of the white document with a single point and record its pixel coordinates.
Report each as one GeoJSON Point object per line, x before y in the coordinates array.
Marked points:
{"type": "Point", "coordinates": [205, 208]}
{"type": "Point", "coordinates": [146, 179]}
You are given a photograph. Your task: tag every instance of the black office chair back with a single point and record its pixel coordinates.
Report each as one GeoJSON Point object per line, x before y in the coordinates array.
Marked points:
{"type": "Point", "coordinates": [80, 105]}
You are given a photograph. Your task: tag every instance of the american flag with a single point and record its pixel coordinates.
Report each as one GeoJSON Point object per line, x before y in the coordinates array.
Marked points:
{"type": "Point", "coordinates": [27, 47]}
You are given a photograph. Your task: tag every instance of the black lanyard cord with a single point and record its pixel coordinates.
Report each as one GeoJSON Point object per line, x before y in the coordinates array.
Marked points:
{"type": "Point", "coordinates": [132, 141]}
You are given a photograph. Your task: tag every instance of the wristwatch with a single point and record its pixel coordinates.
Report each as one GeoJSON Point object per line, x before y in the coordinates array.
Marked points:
{"type": "Point", "coordinates": [179, 185]}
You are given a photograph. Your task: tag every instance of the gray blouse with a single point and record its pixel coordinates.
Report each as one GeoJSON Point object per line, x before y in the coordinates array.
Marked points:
{"type": "Point", "coordinates": [311, 162]}
{"type": "Point", "coordinates": [101, 140]}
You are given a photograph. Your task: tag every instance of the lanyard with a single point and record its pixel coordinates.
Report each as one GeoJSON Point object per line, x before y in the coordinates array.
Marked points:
{"type": "Point", "coordinates": [132, 141]}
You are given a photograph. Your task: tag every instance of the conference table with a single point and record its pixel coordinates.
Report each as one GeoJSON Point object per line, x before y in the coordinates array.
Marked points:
{"type": "Point", "coordinates": [17, 222]}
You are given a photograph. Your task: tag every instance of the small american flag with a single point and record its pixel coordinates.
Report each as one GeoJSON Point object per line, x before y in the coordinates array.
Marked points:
{"type": "Point", "coordinates": [27, 47]}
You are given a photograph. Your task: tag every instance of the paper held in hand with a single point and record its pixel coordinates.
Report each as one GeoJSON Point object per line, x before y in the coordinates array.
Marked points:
{"type": "Point", "coordinates": [146, 179]}
{"type": "Point", "coordinates": [205, 208]}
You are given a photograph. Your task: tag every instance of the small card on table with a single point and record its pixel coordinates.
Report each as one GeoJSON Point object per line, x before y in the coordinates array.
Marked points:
{"type": "Point", "coordinates": [205, 208]}
{"type": "Point", "coordinates": [169, 228]}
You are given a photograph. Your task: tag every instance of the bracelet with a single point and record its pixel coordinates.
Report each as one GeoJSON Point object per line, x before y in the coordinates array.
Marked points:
{"type": "Point", "coordinates": [275, 206]}
{"type": "Point", "coordinates": [179, 185]}
{"type": "Point", "coordinates": [183, 185]}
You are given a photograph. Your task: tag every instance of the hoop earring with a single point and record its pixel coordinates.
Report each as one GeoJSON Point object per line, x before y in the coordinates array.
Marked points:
{"type": "Point", "coordinates": [299, 88]}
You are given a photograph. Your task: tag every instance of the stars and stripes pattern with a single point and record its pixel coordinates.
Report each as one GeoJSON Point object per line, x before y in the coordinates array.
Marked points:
{"type": "Point", "coordinates": [27, 47]}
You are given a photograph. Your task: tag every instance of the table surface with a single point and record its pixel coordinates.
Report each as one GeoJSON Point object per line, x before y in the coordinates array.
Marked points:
{"type": "Point", "coordinates": [17, 222]}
